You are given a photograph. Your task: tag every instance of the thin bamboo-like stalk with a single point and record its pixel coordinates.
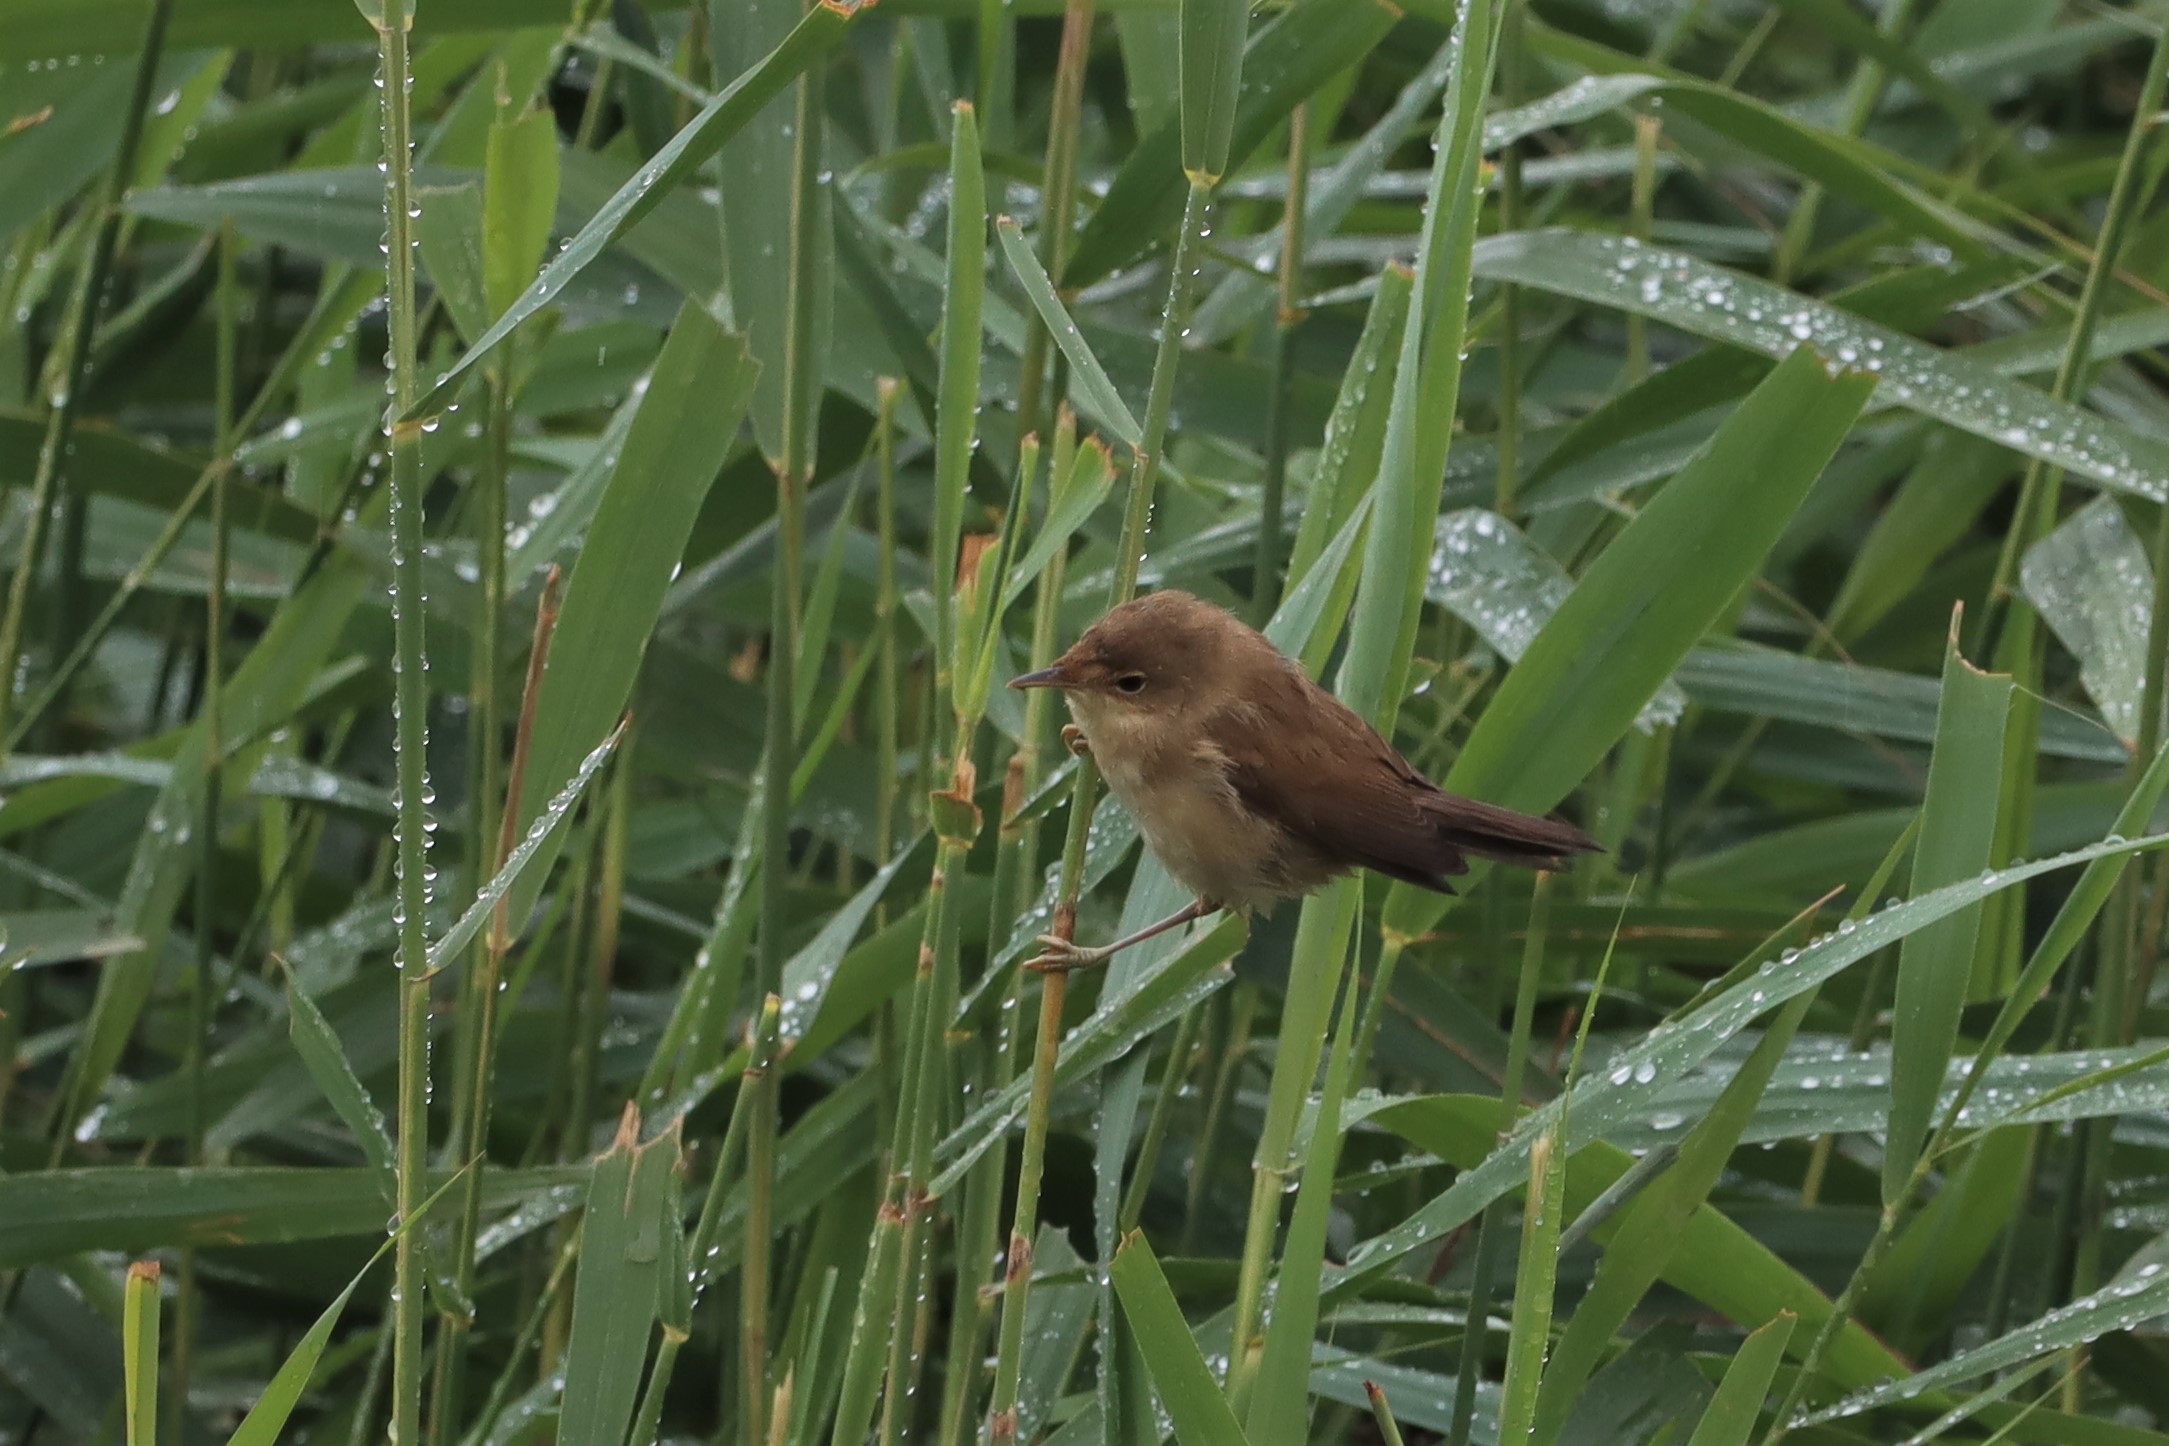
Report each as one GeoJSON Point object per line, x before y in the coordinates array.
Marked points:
{"type": "Point", "coordinates": [1137, 513]}
{"type": "Point", "coordinates": [2022, 651]}
{"type": "Point", "coordinates": [1389, 1430]}
{"type": "Point", "coordinates": [139, 1353]}
{"type": "Point", "coordinates": [1286, 317]}
{"type": "Point", "coordinates": [707, 1227]}
{"type": "Point", "coordinates": [1862, 93]}
{"type": "Point", "coordinates": [1374, 672]}
{"type": "Point", "coordinates": [1032, 1157]}
{"type": "Point", "coordinates": [794, 473]}
{"type": "Point", "coordinates": [477, 1064]}
{"type": "Point", "coordinates": [965, 628]}
{"type": "Point", "coordinates": [1508, 478]}
{"type": "Point", "coordinates": [1640, 214]}
{"type": "Point", "coordinates": [411, 736]}
{"type": "Point", "coordinates": [759, 1094]}
{"type": "Point", "coordinates": [204, 988]}
{"type": "Point", "coordinates": [979, 1223]}
{"type": "Point", "coordinates": [1491, 1229]}
{"type": "Point", "coordinates": [887, 667]}
{"type": "Point", "coordinates": [1061, 196]}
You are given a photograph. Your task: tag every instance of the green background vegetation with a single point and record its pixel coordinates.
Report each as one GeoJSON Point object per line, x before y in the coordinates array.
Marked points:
{"type": "Point", "coordinates": [516, 859]}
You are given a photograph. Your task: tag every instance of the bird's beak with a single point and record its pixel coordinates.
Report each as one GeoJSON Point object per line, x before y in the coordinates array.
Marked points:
{"type": "Point", "coordinates": [1052, 677]}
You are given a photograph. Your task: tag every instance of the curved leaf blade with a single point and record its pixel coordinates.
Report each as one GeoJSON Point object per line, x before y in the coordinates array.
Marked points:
{"type": "Point", "coordinates": [1744, 311]}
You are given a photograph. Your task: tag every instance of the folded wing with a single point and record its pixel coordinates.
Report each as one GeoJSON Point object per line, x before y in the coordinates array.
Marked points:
{"type": "Point", "coordinates": [1299, 756]}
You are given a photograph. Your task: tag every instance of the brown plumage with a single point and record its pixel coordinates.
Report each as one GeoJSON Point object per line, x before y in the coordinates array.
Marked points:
{"type": "Point", "coordinates": [1249, 781]}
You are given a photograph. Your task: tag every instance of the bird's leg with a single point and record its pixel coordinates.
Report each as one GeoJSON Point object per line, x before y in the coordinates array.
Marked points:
{"type": "Point", "coordinates": [1062, 955]}
{"type": "Point", "coordinates": [1074, 740]}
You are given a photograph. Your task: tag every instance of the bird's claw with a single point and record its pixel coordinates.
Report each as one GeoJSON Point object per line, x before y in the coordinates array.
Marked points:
{"type": "Point", "coordinates": [1074, 740]}
{"type": "Point", "coordinates": [1059, 955]}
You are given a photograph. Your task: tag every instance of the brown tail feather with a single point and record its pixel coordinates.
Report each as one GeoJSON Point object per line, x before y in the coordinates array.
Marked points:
{"type": "Point", "coordinates": [1491, 832]}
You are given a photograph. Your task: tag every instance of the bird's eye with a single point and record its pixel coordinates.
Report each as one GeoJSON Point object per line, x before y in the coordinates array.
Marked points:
{"type": "Point", "coordinates": [1131, 682]}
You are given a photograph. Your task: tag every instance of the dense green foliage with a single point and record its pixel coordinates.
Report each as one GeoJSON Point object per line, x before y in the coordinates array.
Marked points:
{"type": "Point", "coordinates": [517, 864]}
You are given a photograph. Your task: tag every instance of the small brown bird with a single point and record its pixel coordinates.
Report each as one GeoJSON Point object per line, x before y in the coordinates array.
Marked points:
{"type": "Point", "coordinates": [1250, 782]}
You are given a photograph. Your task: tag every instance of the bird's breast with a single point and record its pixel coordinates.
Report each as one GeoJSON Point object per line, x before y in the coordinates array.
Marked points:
{"type": "Point", "coordinates": [1188, 812]}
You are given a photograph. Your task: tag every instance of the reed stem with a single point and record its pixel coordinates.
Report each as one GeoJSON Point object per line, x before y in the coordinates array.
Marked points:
{"type": "Point", "coordinates": [411, 724]}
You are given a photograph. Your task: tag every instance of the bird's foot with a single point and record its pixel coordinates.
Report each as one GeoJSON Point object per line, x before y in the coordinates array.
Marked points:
{"type": "Point", "coordinates": [1074, 740]}
{"type": "Point", "coordinates": [1059, 955]}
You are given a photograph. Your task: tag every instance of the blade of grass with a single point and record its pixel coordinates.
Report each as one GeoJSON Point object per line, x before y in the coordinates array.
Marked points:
{"type": "Point", "coordinates": [1278, 1412]}
{"type": "Point", "coordinates": [1202, 1415]}
{"type": "Point", "coordinates": [1426, 388]}
{"type": "Point", "coordinates": [1095, 391]}
{"type": "Point", "coordinates": [626, 1266]}
{"type": "Point", "coordinates": [1936, 967]}
{"type": "Point", "coordinates": [1725, 305]}
{"type": "Point", "coordinates": [2139, 1296]}
{"type": "Point", "coordinates": [540, 834]}
{"type": "Point", "coordinates": [1650, 1228]}
{"type": "Point", "coordinates": [1667, 1055]}
{"type": "Point", "coordinates": [756, 173]}
{"type": "Point", "coordinates": [1730, 1419]}
{"type": "Point", "coordinates": [1348, 454]}
{"type": "Point", "coordinates": [693, 402]}
{"type": "Point", "coordinates": [1535, 1281]}
{"type": "Point", "coordinates": [1209, 76]}
{"type": "Point", "coordinates": [1646, 599]}
{"type": "Point", "coordinates": [139, 1352]}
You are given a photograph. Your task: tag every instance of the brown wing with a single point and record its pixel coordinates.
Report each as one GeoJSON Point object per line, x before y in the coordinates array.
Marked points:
{"type": "Point", "coordinates": [1301, 757]}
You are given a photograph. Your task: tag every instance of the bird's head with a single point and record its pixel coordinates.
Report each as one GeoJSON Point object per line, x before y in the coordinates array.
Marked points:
{"type": "Point", "coordinates": [1167, 654]}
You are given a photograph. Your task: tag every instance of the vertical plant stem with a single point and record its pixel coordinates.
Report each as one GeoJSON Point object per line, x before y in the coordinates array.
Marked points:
{"type": "Point", "coordinates": [864, 1361]}
{"type": "Point", "coordinates": [1174, 322]}
{"type": "Point", "coordinates": [410, 710]}
{"type": "Point", "coordinates": [2146, 945]}
{"type": "Point", "coordinates": [794, 473]}
{"type": "Point", "coordinates": [1535, 1282]}
{"type": "Point", "coordinates": [1510, 219]}
{"type": "Point", "coordinates": [487, 811]}
{"type": "Point", "coordinates": [612, 828]}
{"type": "Point", "coordinates": [761, 1089]}
{"type": "Point", "coordinates": [139, 1353]}
{"type": "Point", "coordinates": [1862, 93]}
{"type": "Point", "coordinates": [979, 1222]}
{"type": "Point", "coordinates": [1389, 1430]}
{"type": "Point", "coordinates": [1491, 1231]}
{"type": "Point", "coordinates": [1272, 504]}
{"type": "Point", "coordinates": [1054, 987]}
{"type": "Point", "coordinates": [204, 991]}
{"type": "Point", "coordinates": [2022, 648]}
{"type": "Point", "coordinates": [965, 626]}
{"type": "Point", "coordinates": [708, 1226]}
{"type": "Point", "coordinates": [956, 825]}
{"type": "Point", "coordinates": [73, 356]}
{"type": "Point", "coordinates": [887, 676]}
{"type": "Point", "coordinates": [1234, 1045]}
{"type": "Point", "coordinates": [477, 1064]}
{"type": "Point", "coordinates": [1172, 1075]}
{"type": "Point", "coordinates": [1061, 196]}
{"type": "Point", "coordinates": [1641, 216]}
{"type": "Point", "coordinates": [1032, 1158]}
